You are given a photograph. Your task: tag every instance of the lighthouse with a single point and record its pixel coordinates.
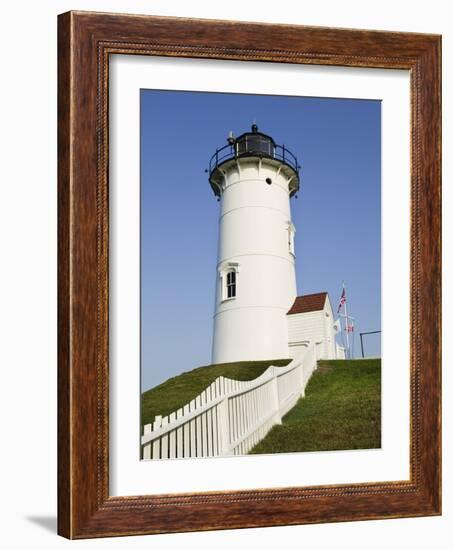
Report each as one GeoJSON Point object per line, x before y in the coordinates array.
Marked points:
{"type": "Point", "coordinates": [254, 179]}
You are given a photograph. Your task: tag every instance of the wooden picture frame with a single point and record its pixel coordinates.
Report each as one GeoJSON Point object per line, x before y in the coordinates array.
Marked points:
{"type": "Point", "coordinates": [85, 41]}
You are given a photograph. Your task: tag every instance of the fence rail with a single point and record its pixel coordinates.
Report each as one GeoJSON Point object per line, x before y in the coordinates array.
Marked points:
{"type": "Point", "coordinates": [230, 416]}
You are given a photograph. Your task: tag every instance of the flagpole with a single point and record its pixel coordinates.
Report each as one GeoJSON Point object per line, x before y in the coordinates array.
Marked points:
{"type": "Point", "coordinates": [353, 337]}
{"type": "Point", "coordinates": [347, 322]}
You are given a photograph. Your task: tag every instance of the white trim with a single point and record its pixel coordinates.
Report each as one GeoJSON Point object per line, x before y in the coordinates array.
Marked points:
{"type": "Point", "coordinates": [290, 260]}
{"type": "Point", "coordinates": [291, 228]}
{"type": "Point", "coordinates": [228, 267]}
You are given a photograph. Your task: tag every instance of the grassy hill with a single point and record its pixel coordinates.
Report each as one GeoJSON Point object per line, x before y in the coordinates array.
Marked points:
{"type": "Point", "coordinates": [341, 410]}
{"type": "Point", "coordinates": [176, 392]}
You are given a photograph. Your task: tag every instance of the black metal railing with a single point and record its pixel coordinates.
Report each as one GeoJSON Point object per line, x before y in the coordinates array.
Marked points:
{"type": "Point", "coordinates": [251, 145]}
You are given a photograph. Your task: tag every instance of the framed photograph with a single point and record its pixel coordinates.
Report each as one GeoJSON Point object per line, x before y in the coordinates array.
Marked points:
{"type": "Point", "coordinates": [249, 275]}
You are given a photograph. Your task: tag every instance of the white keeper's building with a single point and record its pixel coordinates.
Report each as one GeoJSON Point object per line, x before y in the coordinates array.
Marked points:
{"type": "Point", "coordinates": [311, 319]}
{"type": "Point", "coordinates": [258, 314]}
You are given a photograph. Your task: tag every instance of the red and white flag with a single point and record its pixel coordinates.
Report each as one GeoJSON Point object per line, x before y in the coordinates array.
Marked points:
{"type": "Point", "coordinates": [342, 299]}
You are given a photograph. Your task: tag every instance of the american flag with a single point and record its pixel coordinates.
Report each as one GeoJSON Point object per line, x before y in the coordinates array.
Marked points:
{"type": "Point", "coordinates": [350, 328]}
{"type": "Point", "coordinates": [342, 299]}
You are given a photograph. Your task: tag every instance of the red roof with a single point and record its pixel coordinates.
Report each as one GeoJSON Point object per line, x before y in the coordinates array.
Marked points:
{"type": "Point", "coordinates": [309, 302]}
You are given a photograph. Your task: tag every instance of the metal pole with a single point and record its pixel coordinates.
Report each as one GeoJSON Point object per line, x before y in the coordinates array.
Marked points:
{"type": "Point", "coordinates": [347, 321]}
{"type": "Point", "coordinates": [361, 337]}
{"type": "Point", "coordinates": [353, 340]}
{"type": "Point", "coordinates": [342, 333]}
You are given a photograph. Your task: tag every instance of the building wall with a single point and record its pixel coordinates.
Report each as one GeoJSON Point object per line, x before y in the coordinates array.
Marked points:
{"type": "Point", "coordinates": [304, 327]}
{"type": "Point", "coordinates": [316, 326]}
{"type": "Point", "coordinates": [253, 239]}
{"type": "Point", "coordinates": [330, 348]}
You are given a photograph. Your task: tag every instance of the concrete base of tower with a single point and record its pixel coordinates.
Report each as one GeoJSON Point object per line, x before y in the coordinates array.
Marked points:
{"type": "Point", "coordinates": [250, 334]}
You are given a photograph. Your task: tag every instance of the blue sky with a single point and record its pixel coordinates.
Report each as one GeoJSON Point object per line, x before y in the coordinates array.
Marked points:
{"type": "Point", "coordinates": [337, 212]}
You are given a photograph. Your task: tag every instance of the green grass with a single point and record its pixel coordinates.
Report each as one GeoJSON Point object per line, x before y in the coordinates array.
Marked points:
{"type": "Point", "coordinates": [178, 391]}
{"type": "Point", "coordinates": [341, 410]}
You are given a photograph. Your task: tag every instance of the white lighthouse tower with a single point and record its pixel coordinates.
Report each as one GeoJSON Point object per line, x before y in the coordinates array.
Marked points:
{"type": "Point", "coordinates": [254, 179]}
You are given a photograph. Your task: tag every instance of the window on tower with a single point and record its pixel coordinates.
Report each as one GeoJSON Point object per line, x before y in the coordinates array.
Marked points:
{"type": "Point", "coordinates": [228, 278]}
{"type": "Point", "coordinates": [291, 234]}
{"type": "Point", "coordinates": [230, 284]}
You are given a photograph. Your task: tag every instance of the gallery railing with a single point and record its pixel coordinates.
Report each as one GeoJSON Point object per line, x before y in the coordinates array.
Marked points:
{"type": "Point", "coordinates": [253, 146]}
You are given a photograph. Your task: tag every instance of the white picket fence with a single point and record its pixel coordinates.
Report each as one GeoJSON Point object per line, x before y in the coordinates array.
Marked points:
{"type": "Point", "coordinates": [230, 416]}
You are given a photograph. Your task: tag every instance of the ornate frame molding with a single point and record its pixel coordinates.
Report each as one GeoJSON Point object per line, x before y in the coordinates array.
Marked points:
{"type": "Point", "coordinates": [86, 40]}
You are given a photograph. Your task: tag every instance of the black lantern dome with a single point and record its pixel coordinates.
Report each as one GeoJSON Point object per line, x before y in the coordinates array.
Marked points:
{"type": "Point", "coordinates": [253, 144]}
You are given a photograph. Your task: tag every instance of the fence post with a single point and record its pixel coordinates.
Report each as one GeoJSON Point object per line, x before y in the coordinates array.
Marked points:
{"type": "Point", "coordinates": [156, 443]}
{"type": "Point", "coordinates": [302, 379]}
{"type": "Point", "coordinates": [223, 428]}
{"type": "Point", "coordinates": [276, 400]}
{"type": "Point", "coordinates": [301, 369]}
{"type": "Point", "coordinates": [147, 447]}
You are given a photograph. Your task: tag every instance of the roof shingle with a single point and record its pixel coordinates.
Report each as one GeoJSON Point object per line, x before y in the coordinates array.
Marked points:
{"type": "Point", "coordinates": [309, 302]}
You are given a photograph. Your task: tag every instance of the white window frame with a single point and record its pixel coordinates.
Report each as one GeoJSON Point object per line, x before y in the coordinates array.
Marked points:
{"type": "Point", "coordinates": [291, 239]}
{"type": "Point", "coordinates": [223, 276]}
{"type": "Point", "coordinates": [230, 283]}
